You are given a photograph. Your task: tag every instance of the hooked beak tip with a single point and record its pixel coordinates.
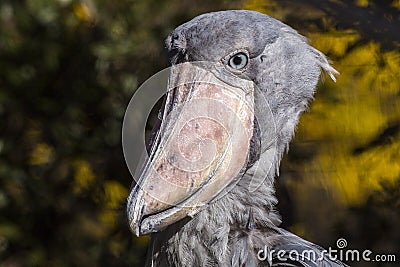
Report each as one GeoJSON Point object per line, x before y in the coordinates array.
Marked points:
{"type": "Point", "coordinates": [134, 224]}
{"type": "Point", "coordinates": [135, 229]}
{"type": "Point", "coordinates": [135, 211]}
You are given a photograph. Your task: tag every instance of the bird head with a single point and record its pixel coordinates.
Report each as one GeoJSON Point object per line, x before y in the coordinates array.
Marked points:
{"type": "Point", "coordinates": [238, 83]}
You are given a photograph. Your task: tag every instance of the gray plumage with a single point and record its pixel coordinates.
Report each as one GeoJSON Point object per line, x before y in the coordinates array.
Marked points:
{"type": "Point", "coordinates": [231, 230]}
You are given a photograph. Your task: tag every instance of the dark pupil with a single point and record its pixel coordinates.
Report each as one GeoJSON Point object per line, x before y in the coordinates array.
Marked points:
{"type": "Point", "coordinates": [237, 60]}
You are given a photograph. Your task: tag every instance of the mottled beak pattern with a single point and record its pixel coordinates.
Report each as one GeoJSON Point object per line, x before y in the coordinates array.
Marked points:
{"type": "Point", "coordinates": [200, 148]}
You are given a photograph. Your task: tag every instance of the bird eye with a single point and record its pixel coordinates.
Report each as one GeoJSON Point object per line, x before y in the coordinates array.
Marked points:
{"type": "Point", "coordinates": [238, 61]}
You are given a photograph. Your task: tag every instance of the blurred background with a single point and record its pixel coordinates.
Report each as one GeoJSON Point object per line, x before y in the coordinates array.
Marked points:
{"type": "Point", "coordinates": [68, 69]}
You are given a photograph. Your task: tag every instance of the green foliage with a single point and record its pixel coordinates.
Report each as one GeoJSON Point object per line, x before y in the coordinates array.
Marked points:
{"type": "Point", "coordinates": [67, 71]}
{"type": "Point", "coordinates": [342, 173]}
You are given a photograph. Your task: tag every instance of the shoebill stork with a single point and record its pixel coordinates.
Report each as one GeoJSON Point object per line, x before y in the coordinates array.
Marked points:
{"type": "Point", "coordinates": [240, 81]}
